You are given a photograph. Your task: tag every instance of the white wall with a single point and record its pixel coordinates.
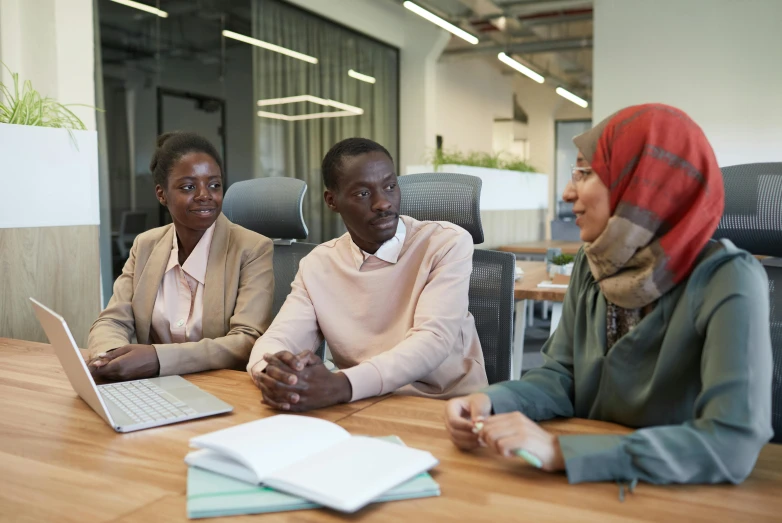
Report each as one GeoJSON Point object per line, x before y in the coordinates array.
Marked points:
{"type": "Point", "coordinates": [470, 95]}
{"type": "Point", "coordinates": [50, 43]}
{"type": "Point", "coordinates": [718, 60]}
{"type": "Point", "coordinates": [49, 248]}
{"type": "Point", "coordinates": [544, 107]}
{"type": "Point", "coordinates": [420, 43]}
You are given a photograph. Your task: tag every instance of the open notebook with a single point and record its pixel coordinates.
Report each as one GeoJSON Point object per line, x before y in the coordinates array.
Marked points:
{"type": "Point", "coordinates": [310, 458]}
{"type": "Point", "coordinates": [212, 495]}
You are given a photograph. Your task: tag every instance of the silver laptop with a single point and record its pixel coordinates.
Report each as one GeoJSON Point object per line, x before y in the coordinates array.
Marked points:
{"type": "Point", "coordinates": [128, 405]}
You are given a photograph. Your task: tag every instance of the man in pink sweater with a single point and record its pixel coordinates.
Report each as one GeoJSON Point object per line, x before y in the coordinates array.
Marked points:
{"type": "Point", "coordinates": [389, 297]}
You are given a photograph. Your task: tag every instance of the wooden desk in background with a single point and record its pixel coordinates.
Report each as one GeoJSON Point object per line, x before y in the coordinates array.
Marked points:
{"type": "Point", "coordinates": [527, 289]}
{"type": "Point", "coordinates": [539, 248]}
{"type": "Point", "coordinates": [537, 251]}
{"type": "Point", "coordinates": [61, 462]}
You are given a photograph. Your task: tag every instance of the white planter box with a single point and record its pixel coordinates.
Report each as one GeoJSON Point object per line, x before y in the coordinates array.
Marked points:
{"type": "Point", "coordinates": [50, 177]}
{"type": "Point", "coordinates": [502, 190]}
{"type": "Point", "coordinates": [565, 270]}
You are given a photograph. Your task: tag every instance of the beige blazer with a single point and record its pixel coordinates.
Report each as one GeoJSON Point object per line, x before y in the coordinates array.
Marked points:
{"type": "Point", "coordinates": [238, 294]}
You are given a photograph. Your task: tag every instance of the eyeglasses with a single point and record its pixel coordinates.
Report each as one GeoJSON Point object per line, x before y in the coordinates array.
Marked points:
{"type": "Point", "coordinates": [579, 173]}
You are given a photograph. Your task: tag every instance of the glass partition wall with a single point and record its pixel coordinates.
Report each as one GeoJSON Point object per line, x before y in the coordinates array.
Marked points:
{"type": "Point", "coordinates": [203, 67]}
{"type": "Point", "coordinates": [327, 83]}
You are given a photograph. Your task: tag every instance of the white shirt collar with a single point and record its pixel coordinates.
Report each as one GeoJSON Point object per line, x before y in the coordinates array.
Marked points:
{"type": "Point", "coordinates": [388, 252]}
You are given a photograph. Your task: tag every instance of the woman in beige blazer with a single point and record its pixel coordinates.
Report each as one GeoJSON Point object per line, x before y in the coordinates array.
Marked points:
{"type": "Point", "coordinates": [194, 295]}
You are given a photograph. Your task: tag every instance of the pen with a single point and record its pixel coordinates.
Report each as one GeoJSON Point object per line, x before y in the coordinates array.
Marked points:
{"type": "Point", "coordinates": [521, 453]}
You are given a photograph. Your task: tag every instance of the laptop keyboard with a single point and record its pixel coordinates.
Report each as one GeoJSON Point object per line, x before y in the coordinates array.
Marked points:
{"type": "Point", "coordinates": [144, 401]}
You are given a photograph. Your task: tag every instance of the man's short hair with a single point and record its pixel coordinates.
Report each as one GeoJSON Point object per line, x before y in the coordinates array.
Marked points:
{"type": "Point", "coordinates": [348, 148]}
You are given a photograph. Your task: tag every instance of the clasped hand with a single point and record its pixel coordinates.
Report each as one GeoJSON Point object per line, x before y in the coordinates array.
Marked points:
{"type": "Point", "coordinates": [300, 382]}
{"type": "Point", "coordinates": [129, 362]}
{"type": "Point", "coordinates": [503, 433]}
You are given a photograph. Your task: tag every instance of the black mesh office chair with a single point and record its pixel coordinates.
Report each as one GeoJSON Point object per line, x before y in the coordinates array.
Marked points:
{"type": "Point", "coordinates": [132, 223]}
{"type": "Point", "coordinates": [753, 221]}
{"type": "Point", "coordinates": [563, 226]}
{"type": "Point", "coordinates": [273, 207]}
{"type": "Point", "coordinates": [456, 198]}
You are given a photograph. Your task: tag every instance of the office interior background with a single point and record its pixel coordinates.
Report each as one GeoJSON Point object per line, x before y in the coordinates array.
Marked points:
{"type": "Point", "coordinates": [381, 71]}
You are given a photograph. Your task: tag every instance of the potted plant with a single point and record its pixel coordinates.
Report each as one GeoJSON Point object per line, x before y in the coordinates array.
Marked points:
{"type": "Point", "coordinates": [502, 161]}
{"type": "Point", "coordinates": [514, 196]}
{"type": "Point", "coordinates": [58, 157]}
{"type": "Point", "coordinates": [561, 268]}
{"type": "Point", "coordinates": [50, 165]}
{"type": "Point", "coordinates": [26, 106]}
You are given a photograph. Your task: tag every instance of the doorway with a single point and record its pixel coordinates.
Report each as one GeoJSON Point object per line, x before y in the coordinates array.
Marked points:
{"type": "Point", "coordinates": [198, 113]}
{"type": "Point", "coordinates": [566, 153]}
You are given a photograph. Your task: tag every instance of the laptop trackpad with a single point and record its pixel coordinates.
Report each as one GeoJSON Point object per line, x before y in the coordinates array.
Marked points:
{"type": "Point", "coordinates": [188, 393]}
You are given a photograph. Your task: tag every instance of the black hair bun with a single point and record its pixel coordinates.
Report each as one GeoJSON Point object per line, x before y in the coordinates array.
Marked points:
{"type": "Point", "coordinates": [163, 138]}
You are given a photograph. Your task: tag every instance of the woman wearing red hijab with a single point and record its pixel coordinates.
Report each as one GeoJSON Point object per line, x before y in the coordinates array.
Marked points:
{"type": "Point", "coordinates": [663, 329]}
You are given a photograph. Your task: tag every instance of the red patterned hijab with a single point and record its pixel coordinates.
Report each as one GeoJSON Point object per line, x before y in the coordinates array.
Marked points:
{"type": "Point", "coordinates": [667, 198]}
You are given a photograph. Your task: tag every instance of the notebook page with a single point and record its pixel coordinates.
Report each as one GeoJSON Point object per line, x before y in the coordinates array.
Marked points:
{"type": "Point", "coordinates": [351, 473]}
{"type": "Point", "coordinates": [272, 443]}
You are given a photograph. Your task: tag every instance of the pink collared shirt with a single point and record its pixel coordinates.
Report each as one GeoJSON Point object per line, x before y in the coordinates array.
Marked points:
{"type": "Point", "coordinates": [178, 312]}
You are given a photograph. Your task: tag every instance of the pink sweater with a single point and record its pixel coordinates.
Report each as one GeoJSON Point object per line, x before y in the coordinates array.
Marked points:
{"type": "Point", "coordinates": [401, 327]}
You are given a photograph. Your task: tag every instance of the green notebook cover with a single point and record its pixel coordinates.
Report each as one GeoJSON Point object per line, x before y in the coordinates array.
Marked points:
{"type": "Point", "coordinates": [212, 495]}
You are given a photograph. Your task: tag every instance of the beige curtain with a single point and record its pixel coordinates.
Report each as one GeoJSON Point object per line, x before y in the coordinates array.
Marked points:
{"type": "Point", "coordinates": [295, 149]}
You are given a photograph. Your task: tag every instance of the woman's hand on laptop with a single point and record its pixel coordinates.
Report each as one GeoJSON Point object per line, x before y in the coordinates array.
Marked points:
{"type": "Point", "coordinates": [301, 382]}
{"type": "Point", "coordinates": [129, 362]}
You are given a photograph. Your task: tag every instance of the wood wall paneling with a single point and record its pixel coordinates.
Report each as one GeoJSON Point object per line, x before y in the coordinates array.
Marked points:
{"type": "Point", "coordinates": [58, 266]}
{"type": "Point", "coordinates": [512, 226]}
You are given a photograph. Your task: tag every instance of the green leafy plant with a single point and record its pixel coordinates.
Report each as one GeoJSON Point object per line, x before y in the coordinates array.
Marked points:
{"type": "Point", "coordinates": [562, 259]}
{"type": "Point", "coordinates": [23, 105]}
{"type": "Point", "coordinates": [504, 161]}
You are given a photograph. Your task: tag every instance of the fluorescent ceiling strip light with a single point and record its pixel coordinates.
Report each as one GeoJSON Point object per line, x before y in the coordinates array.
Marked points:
{"type": "Point", "coordinates": [309, 98]}
{"type": "Point", "coordinates": [526, 71]}
{"type": "Point", "coordinates": [270, 47]}
{"type": "Point", "coordinates": [436, 20]}
{"type": "Point", "coordinates": [363, 77]}
{"type": "Point", "coordinates": [573, 98]}
{"type": "Point", "coordinates": [142, 7]}
{"type": "Point", "coordinates": [311, 116]}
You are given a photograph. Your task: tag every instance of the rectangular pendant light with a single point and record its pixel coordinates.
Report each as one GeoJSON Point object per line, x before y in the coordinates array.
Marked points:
{"type": "Point", "coordinates": [347, 110]}
{"type": "Point", "coordinates": [270, 47]}
{"type": "Point", "coordinates": [311, 116]}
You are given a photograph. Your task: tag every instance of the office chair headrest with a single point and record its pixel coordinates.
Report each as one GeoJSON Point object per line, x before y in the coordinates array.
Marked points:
{"type": "Point", "coordinates": [268, 206]}
{"type": "Point", "coordinates": [753, 208]}
{"type": "Point", "coordinates": [454, 198]}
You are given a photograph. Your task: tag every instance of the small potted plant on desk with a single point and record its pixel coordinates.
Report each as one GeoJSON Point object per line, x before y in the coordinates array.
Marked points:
{"type": "Point", "coordinates": [561, 269]}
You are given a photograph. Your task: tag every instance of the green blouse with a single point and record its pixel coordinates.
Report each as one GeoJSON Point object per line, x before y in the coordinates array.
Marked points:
{"type": "Point", "coordinates": [694, 377]}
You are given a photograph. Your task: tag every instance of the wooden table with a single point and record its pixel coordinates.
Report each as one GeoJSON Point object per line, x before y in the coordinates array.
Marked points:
{"type": "Point", "coordinates": [527, 289]}
{"type": "Point", "coordinates": [536, 249]}
{"type": "Point", "coordinates": [61, 462]}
